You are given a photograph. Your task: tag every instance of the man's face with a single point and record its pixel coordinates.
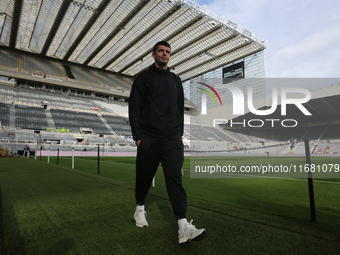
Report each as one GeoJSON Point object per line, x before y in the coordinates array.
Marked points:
{"type": "Point", "coordinates": [161, 56]}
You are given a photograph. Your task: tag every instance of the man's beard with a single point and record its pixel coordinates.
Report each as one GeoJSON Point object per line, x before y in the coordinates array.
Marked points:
{"type": "Point", "coordinates": [161, 64]}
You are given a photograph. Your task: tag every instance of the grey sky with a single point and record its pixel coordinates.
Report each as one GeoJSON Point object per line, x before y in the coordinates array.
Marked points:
{"type": "Point", "coordinates": [303, 36]}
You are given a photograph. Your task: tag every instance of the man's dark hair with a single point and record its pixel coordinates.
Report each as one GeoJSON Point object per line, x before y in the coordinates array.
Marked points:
{"type": "Point", "coordinates": [164, 43]}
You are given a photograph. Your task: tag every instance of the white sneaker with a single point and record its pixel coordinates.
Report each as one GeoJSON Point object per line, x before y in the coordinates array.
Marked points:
{"type": "Point", "coordinates": [140, 219]}
{"type": "Point", "coordinates": [191, 233]}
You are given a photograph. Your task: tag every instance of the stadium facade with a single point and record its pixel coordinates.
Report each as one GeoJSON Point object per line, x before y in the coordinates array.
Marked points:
{"type": "Point", "coordinates": [254, 70]}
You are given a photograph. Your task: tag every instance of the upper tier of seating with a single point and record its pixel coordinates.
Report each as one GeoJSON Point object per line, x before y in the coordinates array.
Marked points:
{"type": "Point", "coordinates": [9, 59]}
{"type": "Point", "coordinates": [27, 64]}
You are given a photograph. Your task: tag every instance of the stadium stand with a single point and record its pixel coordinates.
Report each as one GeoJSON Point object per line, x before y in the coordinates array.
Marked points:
{"type": "Point", "coordinates": [299, 148]}
{"type": "Point", "coordinates": [28, 96]}
{"type": "Point", "coordinates": [81, 103]}
{"type": "Point", "coordinates": [334, 146]}
{"type": "Point", "coordinates": [50, 137]}
{"type": "Point", "coordinates": [222, 136]}
{"type": "Point", "coordinates": [95, 140]}
{"type": "Point", "coordinates": [4, 138]}
{"type": "Point", "coordinates": [24, 137]}
{"type": "Point", "coordinates": [251, 139]}
{"type": "Point", "coordinates": [124, 149]}
{"type": "Point", "coordinates": [15, 140]}
{"type": "Point", "coordinates": [15, 147]}
{"type": "Point", "coordinates": [186, 118]}
{"type": "Point", "coordinates": [76, 120]}
{"type": "Point", "coordinates": [4, 114]}
{"type": "Point", "coordinates": [84, 75]}
{"type": "Point", "coordinates": [239, 136]}
{"type": "Point", "coordinates": [121, 108]}
{"type": "Point", "coordinates": [114, 81]}
{"type": "Point", "coordinates": [30, 117]}
{"type": "Point", "coordinates": [80, 85]}
{"type": "Point", "coordinates": [119, 124]}
{"type": "Point", "coordinates": [111, 140]}
{"type": "Point", "coordinates": [300, 133]}
{"type": "Point", "coordinates": [46, 67]}
{"type": "Point", "coordinates": [9, 59]}
{"type": "Point", "coordinates": [35, 96]}
{"type": "Point", "coordinates": [124, 142]}
{"type": "Point", "coordinates": [204, 133]}
{"type": "Point", "coordinates": [198, 135]}
{"type": "Point", "coordinates": [6, 91]}
{"type": "Point", "coordinates": [186, 133]}
{"type": "Point", "coordinates": [54, 147]}
{"type": "Point", "coordinates": [103, 106]}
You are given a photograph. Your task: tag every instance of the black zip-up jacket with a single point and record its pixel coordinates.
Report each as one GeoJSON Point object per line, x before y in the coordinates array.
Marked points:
{"type": "Point", "coordinates": [156, 104]}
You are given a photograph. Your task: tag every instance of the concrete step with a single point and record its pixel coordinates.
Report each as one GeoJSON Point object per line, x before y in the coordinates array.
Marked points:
{"type": "Point", "coordinates": [38, 139]}
{"type": "Point", "coordinates": [106, 124]}
{"type": "Point", "coordinates": [50, 120]}
{"type": "Point", "coordinates": [12, 116]}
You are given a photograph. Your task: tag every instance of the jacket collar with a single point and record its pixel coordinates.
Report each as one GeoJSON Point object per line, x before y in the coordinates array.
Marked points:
{"type": "Point", "coordinates": [154, 68]}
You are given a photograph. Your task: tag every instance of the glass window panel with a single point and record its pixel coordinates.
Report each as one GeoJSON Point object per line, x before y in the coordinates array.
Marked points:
{"type": "Point", "coordinates": [63, 28]}
{"type": "Point", "coordinates": [7, 6]}
{"type": "Point", "coordinates": [2, 20]}
{"type": "Point", "coordinates": [105, 24]}
{"type": "Point", "coordinates": [165, 29]}
{"type": "Point", "coordinates": [47, 15]}
{"type": "Point", "coordinates": [29, 13]}
{"type": "Point", "coordinates": [139, 23]}
{"type": "Point", "coordinates": [109, 26]}
{"type": "Point", "coordinates": [77, 26]}
{"type": "Point", "coordinates": [6, 29]}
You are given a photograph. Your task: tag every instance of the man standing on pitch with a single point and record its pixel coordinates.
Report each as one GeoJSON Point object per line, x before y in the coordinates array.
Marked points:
{"type": "Point", "coordinates": [156, 113]}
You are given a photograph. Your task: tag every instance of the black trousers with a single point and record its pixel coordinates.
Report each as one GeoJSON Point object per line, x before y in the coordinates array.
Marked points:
{"type": "Point", "coordinates": [170, 152]}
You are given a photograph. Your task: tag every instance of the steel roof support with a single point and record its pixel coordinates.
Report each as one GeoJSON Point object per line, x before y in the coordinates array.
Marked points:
{"type": "Point", "coordinates": [146, 32]}
{"type": "Point", "coordinates": [15, 23]}
{"type": "Point", "coordinates": [86, 28]}
{"type": "Point", "coordinates": [194, 21]}
{"type": "Point", "coordinates": [62, 11]}
{"type": "Point", "coordinates": [132, 14]}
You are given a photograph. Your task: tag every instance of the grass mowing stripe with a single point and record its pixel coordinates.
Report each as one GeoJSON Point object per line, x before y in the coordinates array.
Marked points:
{"type": "Point", "coordinates": [273, 177]}
{"type": "Point", "coordinates": [276, 196]}
{"type": "Point", "coordinates": [2, 251]}
{"type": "Point", "coordinates": [102, 161]}
{"type": "Point", "coordinates": [156, 193]}
{"type": "Point", "coordinates": [90, 216]}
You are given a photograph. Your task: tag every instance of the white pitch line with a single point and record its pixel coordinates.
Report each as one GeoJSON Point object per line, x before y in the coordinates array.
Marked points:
{"type": "Point", "coordinates": [104, 161]}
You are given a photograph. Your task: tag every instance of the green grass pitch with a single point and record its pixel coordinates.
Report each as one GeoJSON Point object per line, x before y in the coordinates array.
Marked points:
{"type": "Point", "coordinates": [52, 209]}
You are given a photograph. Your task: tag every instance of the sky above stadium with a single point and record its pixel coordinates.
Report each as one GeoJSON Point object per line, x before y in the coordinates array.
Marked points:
{"type": "Point", "coordinates": [303, 36]}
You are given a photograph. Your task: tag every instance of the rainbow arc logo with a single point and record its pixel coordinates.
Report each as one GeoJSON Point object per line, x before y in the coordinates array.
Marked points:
{"type": "Point", "coordinates": [209, 93]}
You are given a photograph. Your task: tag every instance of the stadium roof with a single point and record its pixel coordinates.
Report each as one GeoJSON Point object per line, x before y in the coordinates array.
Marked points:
{"type": "Point", "coordinates": [118, 35]}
